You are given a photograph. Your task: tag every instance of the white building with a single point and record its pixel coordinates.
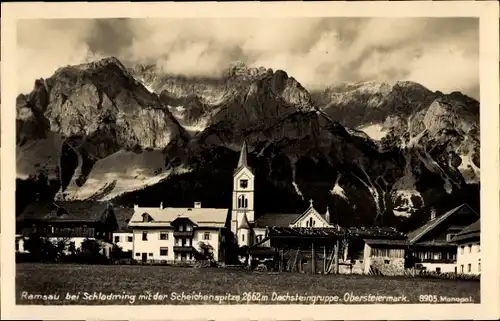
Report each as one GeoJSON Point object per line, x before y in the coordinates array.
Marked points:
{"type": "Point", "coordinates": [469, 249]}
{"type": "Point", "coordinates": [124, 236]}
{"type": "Point", "coordinates": [178, 234]}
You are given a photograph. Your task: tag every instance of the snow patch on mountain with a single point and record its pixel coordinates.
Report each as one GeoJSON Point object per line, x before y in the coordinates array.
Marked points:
{"type": "Point", "coordinates": [337, 189]}
{"type": "Point", "coordinates": [374, 131]}
{"type": "Point", "coordinates": [468, 169]}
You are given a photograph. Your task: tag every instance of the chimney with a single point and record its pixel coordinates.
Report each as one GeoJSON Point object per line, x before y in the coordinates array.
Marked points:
{"type": "Point", "coordinates": [433, 213]}
{"type": "Point", "coordinates": [327, 215]}
{"type": "Point", "coordinates": [197, 204]}
{"type": "Point", "coordinates": [136, 207]}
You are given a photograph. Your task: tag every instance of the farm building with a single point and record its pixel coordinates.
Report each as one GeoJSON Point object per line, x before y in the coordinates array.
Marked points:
{"type": "Point", "coordinates": [469, 249]}
{"type": "Point", "coordinates": [431, 245]}
{"type": "Point", "coordinates": [375, 250]}
{"type": "Point", "coordinates": [68, 221]}
{"type": "Point", "coordinates": [324, 249]}
{"type": "Point", "coordinates": [169, 234]}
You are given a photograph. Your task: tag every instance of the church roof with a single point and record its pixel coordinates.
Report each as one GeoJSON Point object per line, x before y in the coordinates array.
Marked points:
{"type": "Point", "coordinates": [276, 219]}
{"type": "Point", "coordinates": [243, 160]}
{"type": "Point", "coordinates": [244, 222]}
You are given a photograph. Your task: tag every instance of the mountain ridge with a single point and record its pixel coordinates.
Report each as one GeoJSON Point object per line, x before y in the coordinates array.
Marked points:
{"type": "Point", "coordinates": [300, 145]}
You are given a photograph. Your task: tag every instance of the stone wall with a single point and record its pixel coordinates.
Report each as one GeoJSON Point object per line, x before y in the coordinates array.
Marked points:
{"type": "Point", "coordinates": [388, 266]}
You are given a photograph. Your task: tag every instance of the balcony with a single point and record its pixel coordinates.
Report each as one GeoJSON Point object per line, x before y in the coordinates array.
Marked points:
{"type": "Point", "coordinates": [184, 249]}
{"type": "Point", "coordinates": [184, 233]}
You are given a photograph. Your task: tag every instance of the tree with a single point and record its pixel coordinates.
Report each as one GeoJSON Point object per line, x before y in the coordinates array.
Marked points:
{"type": "Point", "coordinates": [116, 252]}
{"type": "Point", "coordinates": [39, 248]}
{"type": "Point", "coordinates": [206, 252]}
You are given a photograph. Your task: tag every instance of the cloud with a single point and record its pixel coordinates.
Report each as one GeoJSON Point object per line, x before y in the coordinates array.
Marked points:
{"type": "Point", "coordinates": [440, 53]}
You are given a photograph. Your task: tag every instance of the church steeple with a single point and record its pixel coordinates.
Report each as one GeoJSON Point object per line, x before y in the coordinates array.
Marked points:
{"type": "Point", "coordinates": [243, 155]}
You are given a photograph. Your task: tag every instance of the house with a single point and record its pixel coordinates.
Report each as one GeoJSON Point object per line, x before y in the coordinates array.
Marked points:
{"type": "Point", "coordinates": [70, 221]}
{"type": "Point", "coordinates": [430, 246]}
{"type": "Point", "coordinates": [469, 249]}
{"type": "Point", "coordinates": [124, 236]}
{"type": "Point", "coordinates": [169, 234]}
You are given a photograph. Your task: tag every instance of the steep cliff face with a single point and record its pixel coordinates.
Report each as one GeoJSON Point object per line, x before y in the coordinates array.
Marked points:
{"type": "Point", "coordinates": [82, 115]}
{"type": "Point", "coordinates": [143, 136]}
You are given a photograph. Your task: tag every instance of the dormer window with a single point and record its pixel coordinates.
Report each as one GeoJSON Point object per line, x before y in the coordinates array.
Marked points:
{"type": "Point", "coordinates": [146, 218]}
{"type": "Point", "coordinates": [244, 183]}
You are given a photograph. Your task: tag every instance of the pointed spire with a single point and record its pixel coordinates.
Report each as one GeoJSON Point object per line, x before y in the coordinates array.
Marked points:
{"type": "Point", "coordinates": [244, 222]}
{"type": "Point", "coordinates": [243, 155]}
{"type": "Point", "coordinates": [327, 215]}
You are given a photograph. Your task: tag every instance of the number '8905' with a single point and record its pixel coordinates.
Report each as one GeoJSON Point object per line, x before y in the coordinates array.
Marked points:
{"type": "Point", "coordinates": [427, 298]}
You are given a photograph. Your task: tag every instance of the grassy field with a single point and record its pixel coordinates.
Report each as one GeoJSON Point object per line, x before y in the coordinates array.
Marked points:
{"type": "Point", "coordinates": [86, 284]}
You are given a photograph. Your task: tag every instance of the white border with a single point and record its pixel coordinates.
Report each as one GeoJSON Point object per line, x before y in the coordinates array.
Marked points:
{"type": "Point", "coordinates": [487, 11]}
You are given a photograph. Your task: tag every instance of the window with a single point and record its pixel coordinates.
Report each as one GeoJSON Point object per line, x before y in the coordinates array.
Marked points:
{"type": "Point", "coordinates": [449, 237]}
{"type": "Point", "coordinates": [462, 250]}
{"type": "Point", "coordinates": [470, 248]}
{"type": "Point", "coordinates": [438, 270]}
{"type": "Point", "coordinates": [144, 236]}
{"type": "Point", "coordinates": [129, 239]}
{"type": "Point", "coordinates": [259, 238]}
{"type": "Point", "coordinates": [387, 261]}
{"type": "Point", "coordinates": [206, 236]}
{"type": "Point", "coordinates": [51, 228]}
{"type": "Point", "coordinates": [479, 267]}
{"type": "Point", "coordinates": [150, 254]}
{"type": "Point", "coordinates": [462, 268]}
{"type": "Point", "coordinates": [469, 267]}
{"type": "Point", "coordinates": [163, 236]}
{"type": "Point", "coordinates": [243, 237]}
{"type": "Point", "coordinates": [242, 201]}
{"type": "Point", "coordinates": [163, 251]}
{"type": "Point", "coordinates": [244, 183]}
{"type": "Point", "coordinates": [137, 254]}
{"type": "Point", "coordinates": [189, 228]}
{"type": "Point", "coordinates": [117, 239]}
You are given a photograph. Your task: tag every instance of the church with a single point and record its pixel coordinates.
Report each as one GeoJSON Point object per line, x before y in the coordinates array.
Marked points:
{"type": "Point", "coordinates": [250, 230]}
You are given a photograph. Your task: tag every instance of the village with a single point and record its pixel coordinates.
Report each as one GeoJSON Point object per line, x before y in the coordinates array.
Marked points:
{"type": "Point", "coordinates": [307, 242]}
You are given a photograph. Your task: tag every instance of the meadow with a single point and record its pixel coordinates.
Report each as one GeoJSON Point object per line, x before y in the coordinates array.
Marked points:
{"type": "Point", "coordinates": [135, 284]}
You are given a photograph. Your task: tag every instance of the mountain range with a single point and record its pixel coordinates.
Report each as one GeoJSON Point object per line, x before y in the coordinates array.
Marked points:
{"type": "Point", "coordinates": [374, 153]}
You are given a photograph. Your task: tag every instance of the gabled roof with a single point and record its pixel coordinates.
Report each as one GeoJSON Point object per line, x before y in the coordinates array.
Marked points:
{"type": "Point", "coordinates": [417, 234]}
{"type": "Point", "coordinates": [469, 232]}
{"type": "Point", "coordinates": [123, 215]}
{"type": "Point", "coordinates": [276, 219]}
{"type": "Point", "coordinates": [66, 211]}
{"type": "Point", "coordinates": [203, 217]}
{"type": "Point", "coordinates": [307, 211]}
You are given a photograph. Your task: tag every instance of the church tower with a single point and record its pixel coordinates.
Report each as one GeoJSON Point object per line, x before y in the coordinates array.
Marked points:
{"type": "Point", "coordinates": [243, 196]}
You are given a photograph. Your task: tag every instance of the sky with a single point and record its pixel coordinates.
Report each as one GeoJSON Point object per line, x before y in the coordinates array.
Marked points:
{"type": "Point", "coordinates": [440, 53]}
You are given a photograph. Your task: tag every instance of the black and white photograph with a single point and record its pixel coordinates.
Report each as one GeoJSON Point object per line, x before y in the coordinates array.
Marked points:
{"type": "Point", "coordinates": [316, 160]}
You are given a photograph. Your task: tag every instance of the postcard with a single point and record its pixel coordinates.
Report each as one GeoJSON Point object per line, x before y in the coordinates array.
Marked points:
{"type": "Point", "coordinates": [220, 160]}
